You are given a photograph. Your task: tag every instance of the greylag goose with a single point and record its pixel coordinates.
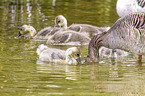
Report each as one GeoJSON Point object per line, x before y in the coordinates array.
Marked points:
{"type": "Point", "coordinates": [70, 56]}
{"type": "Point", "coordinates": [125, 7]}
{"type": "Point", "coordinates": [127, 33]}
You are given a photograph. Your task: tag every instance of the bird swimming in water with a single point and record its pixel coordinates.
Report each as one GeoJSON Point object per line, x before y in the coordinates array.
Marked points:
{"type": "Point", "coordinates": [90, 30]}
{"type": "Point", "coordinates": [127, 33]}
{"type": "Point", "coordinates": [116, 53]}
{"type": "Point", "coordinates": [68, 38]}
{"type": "Point", "coordinates": [71, 56]}
{"type": "Point", "coordinates": [30, 31]}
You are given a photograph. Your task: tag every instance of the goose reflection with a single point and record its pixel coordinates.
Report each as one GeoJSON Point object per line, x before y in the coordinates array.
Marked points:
{"type": "Point", "coordinates": [63, 71]}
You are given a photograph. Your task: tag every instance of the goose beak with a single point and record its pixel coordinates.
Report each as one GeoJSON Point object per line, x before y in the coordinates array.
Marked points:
{"type": "Point", "coordinates": [78, 60]}
{"type": "Point", "coordinates": [20, 32]}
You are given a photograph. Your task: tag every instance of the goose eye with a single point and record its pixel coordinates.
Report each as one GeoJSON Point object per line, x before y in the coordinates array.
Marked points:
{"type": "Point", "coordinates": [59, 21]}
{"type": "Point", "coordinates": [21, 29]}
{"type": "Point", "coordinates": [78, 54]}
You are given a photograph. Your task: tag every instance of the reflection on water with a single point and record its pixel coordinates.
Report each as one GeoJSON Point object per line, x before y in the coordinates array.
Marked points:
{"type": "Point", "coordinates": [22, 75]}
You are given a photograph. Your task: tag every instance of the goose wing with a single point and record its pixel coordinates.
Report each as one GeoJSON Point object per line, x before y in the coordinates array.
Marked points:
{"type": "Point", "coordinates": [44, 31]}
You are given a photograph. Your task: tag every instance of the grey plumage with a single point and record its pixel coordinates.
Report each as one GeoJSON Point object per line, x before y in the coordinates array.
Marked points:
{"type": "Point", "coordinates": [68, 38]}
{"type": "Point", "coordinates": [141, 3]}
{"type": "Point", "coordinates": [70, 56]}
{"type": "Point", "coordinates": [127, 33]}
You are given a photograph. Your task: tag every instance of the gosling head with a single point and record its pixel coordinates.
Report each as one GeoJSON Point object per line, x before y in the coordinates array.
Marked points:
{"type": "Point", "coordinates": [60, 22]}
{"type": "Point", "coordinates": [73, 55]}
{"type": "Point", "coordinates": [25, 29]}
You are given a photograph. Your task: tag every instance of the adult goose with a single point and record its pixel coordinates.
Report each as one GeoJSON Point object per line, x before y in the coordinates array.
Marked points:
{"type": "Point", "coordinates": [125, 7]}
{"type": "Point", "coordinates": [70, 56]}
{"type": "Point", "coordinates": [127, 33]}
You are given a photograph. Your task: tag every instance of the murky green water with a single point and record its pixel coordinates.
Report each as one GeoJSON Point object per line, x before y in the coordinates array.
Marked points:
{"type": "Point", "coordinates": [22, 75]}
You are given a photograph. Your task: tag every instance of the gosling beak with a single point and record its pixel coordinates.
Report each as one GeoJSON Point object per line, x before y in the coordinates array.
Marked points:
{"type": "Point", "coordinates": [114, 50]}
{"type": "Point", "coordinates": [56, 25]}
{"type": "Point", "coordinates": [78, 60]}
{"type": "Point", "coordinates": [19, 34]}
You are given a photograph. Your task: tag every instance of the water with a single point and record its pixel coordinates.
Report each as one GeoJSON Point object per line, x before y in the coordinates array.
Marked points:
{"type": "Point", "coordinates": [22, 75]}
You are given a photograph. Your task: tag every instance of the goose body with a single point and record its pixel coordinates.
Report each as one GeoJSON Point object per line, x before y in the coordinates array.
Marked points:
{"type": "Point", "coordinates": [30, 32]}
{"type": "Point", "coordinates": [125, 7]}
{"type": "Point", "coordinates": [90, 30]}
{"type": "Point", "coordinates": [116, 53]}
{"type": "Point", "coordinates": [60, 25]}
{"type": "Point", "coordinates": [127, 33]}
{"type": "Point", "coordinates": [68, 38]}
{"type": "Point", "coordinates": [70, 56]}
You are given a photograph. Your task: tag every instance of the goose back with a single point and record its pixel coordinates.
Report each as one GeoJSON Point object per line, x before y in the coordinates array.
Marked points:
{"type": "Point", "coordinates": [70, 56]}
{"type": "Point", "coordinates": [90, 30]}
{"type": "Point", "coordinates": [68, 38]}
{"type": "Point", "coordinates": [44, 33]}
{"type": "Point", "coordinates": [50, 54]}
{"type": "Point", "coordinates": [128, 33]}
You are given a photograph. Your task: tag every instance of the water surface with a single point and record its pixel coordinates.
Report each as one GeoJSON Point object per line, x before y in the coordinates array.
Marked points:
{"type": "Point", "coordinates": [22, 75]}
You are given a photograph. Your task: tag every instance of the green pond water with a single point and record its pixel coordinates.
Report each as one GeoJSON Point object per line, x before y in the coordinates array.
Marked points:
{"type": "Point", "coordinates": [22, 75]}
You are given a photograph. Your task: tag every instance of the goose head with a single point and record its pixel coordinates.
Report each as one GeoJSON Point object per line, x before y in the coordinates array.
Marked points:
{"type": "Point", "coordinates": [73, 55]}
{"type": "Point", "coordinates": [95, 44]}
{"type": "Point", "coordinates": [27, 29]}
{"type": "Point", "coordinates": [60, 22]}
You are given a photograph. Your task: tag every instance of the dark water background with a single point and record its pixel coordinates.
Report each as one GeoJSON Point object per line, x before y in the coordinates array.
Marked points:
{"type": "Point", "coordinates": [20, 73]}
